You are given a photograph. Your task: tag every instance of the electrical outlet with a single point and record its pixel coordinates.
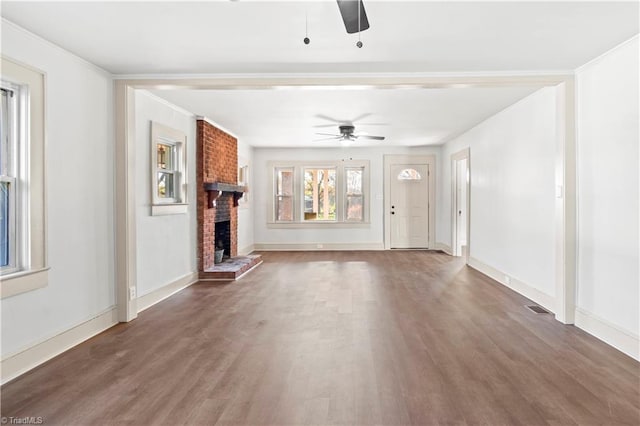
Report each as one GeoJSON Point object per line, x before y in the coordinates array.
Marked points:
{"type": "Point", "coordinates": [507, 279]}
{"type": "Point", "coordinates": [319, 246]}
{"type": "Point", "coordinates": [132, 293]}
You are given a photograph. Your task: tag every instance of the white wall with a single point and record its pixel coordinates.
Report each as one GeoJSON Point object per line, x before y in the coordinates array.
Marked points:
{"type": "Point", "coordinates": [372, 236]}
{"type": "Point", "coordinates": [608, 215]}
{"type": "Point", "coordinates": [512, 158]}
{"type": "Point", "coordinates": [166, 245]}
{"type": "Point", "coordinates": [80, 199]}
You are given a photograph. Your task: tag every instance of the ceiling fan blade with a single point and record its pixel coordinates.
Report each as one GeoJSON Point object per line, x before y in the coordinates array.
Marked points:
{"type": "Point", "coordinates": [374, 138]}
{"type": "Point", "coordinates": [372, 124]}
{"type": "Point", "coordinates": [326, 117]}
{"type": "Point", "coordinates": [329, 134]}
{"type": "Point", "coordinates": [334, 138]}
{"type": "Point", "coordinates": [324, 125]}
{"type": "Point", "coordinates": [360, 117]}
{"type": "Point", "coordinates": [349, 12]}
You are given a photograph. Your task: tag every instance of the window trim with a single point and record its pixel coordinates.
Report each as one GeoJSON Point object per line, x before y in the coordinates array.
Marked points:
{"type": "Point", "coordinates": [178, 140]}
{"type": "Point", "coordinates": [32, 271]}
{"type": "Point", "coordinates": [298, 168]}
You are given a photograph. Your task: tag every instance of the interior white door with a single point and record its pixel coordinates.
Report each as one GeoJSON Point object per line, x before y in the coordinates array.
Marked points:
{"type": "Point", "coordinates": [461, 206]}
{"type": "Point", "coordinates": [409, 205]}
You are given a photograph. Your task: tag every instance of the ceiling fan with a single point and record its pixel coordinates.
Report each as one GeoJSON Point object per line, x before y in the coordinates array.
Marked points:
{"type": "Point", "coordinates": [347, 133]}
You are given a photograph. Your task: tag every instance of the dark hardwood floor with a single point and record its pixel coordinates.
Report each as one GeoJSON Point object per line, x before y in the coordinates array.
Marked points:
{"type": "Point", "coordinates": [402, 337]}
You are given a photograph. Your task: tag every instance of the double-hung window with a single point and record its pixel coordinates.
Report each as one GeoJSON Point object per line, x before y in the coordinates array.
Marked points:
{"type": "Point", "coordinates": [9, 179]}
{"type": "Point", "coordinates": [354, 194]}
{"type": "Point", "coordinates": [320, 193]}
{"type": "Point", "coordinates": [283, 184]}
{"type": "Point", "coordinates": [23, 244]}
{"type": "Point", "coordinates": [168, 177]}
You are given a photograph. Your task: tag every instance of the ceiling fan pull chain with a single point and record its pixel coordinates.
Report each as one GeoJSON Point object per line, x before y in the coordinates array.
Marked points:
{"type": "Point", "coordinates": [306, 26]}
{"type": "Point", "coordinates": [359, 43]}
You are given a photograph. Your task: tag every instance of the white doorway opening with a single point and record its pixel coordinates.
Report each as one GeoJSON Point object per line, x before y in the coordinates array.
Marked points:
{"type": "Point", "coordinates": [460, 203]}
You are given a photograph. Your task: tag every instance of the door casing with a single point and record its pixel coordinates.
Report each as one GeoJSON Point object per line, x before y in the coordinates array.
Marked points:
{"type": "Point", "coordinates": [458, 156]}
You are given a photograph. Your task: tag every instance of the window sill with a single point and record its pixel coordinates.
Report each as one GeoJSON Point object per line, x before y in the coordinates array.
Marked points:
{"type": "Point", "coordinates": [318, 225]}
{"type": "Point", "coordinates": [23, 281]}
{"type": "Point", "coordinates": [167, 209]}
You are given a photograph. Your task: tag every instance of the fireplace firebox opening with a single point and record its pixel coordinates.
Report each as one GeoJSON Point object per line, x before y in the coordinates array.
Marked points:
{"type": "Point", "coordinates": [223, 237]}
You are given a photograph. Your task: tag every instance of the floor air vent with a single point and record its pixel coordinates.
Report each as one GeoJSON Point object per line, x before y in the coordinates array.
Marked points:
{"type": "Point", "coordinates": [538, 309]}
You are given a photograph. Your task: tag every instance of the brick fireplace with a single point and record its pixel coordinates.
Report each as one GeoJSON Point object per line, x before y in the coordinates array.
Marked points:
{"type": "Point", "coordinates": [217, 162]}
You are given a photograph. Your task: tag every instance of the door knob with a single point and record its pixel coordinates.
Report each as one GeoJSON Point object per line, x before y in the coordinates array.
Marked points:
{"type": "Point", "coordinates": [393, 207]}
{"type": "Point", "coordinates": [393, 212]}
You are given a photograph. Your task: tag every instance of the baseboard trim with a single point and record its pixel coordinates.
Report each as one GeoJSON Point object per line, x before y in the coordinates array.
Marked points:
{"type": "Point", "coordinates": [148, 300]}
{"type": "Point", "coordinates": [247, 250]}
{"type": "Point", "coordinates": [542, 299]}
{"type": "Point", "coordinates": [28, 359]}
{"type": "Point", "coordinates": [317, 246]}
{"type": "Point", "coordinates": [623, 340]}
{"type": "Point", "coordinates": [445, 248]}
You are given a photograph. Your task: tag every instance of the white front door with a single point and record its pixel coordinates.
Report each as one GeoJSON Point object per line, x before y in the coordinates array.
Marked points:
{"type": "Point", "coordinates": [409, 205]}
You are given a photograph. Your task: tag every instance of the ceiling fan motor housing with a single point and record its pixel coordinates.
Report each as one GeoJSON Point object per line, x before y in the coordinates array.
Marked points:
{"type": "Point", "coordinates": [347, 130]}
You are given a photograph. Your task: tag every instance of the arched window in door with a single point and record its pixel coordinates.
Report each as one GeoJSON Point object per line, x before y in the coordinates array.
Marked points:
{"type": "Point", "coordinates": [409, 174]}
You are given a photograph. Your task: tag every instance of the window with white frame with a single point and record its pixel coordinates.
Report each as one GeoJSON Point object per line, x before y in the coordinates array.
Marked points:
{"type": "Point", "coordinates": [319, 194]}
{"type": "Point", "coordinates": [354, 194]}
{"type": "Point", "coordinates": [168, 160]}
{"type": "Point", "coordinates": [166, 174]}
{"type": "Point", "coordinates": [23, 245]}
{"type": "Point", "coordinates": [284, 196]}
{"type": "Point", "coordinates": [9, 179]}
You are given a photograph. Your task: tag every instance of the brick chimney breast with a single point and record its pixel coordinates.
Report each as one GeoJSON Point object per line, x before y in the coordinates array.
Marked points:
{"type": "Point", "coordinates": [216, 162]}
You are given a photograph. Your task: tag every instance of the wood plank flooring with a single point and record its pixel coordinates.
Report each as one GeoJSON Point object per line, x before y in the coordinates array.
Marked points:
{"type": "Point", "coordinates": [358, 338]}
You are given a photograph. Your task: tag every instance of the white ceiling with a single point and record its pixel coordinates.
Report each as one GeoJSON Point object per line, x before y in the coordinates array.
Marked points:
{"type": "Point", "coordinates": [266, 36]}
{"type": "Point", "coordinates": [406, 117]}
{"type": "Point", "coordinates": [240, 37]}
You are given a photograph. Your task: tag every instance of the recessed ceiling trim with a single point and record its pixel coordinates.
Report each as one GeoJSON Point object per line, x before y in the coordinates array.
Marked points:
{"type": "Point", "coordinates": [395, 75]}
{"type": "Point", "coordinates": [398, 82]}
